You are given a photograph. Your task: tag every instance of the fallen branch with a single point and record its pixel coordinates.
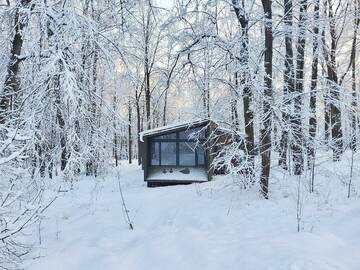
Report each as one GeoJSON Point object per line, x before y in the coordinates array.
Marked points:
{"type": "Point", "coordinates": [125, 210]}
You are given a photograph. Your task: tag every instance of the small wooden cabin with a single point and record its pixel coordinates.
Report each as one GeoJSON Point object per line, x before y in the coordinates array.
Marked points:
{"type": "Point", "coordinates": [179, 154]}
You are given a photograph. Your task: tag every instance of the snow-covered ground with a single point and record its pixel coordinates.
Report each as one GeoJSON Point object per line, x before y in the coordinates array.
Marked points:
{"type": "Point", "coordinates": [213, 225]}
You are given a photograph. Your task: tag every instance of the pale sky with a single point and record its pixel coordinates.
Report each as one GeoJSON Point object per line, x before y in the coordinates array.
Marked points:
{"type": "Point", "coordinates": [165, 3]}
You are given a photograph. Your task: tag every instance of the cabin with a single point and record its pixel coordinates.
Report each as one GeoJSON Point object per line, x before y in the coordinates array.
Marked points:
{"type": "Point", "coordinates": [181, 153]}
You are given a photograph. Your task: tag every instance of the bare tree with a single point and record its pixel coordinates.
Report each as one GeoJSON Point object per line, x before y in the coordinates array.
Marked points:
{"type": "Point", "coordinates": [313, 88]}
{"type": "Point", "coordinates": [289, 82]}
{"type": "Point", "coordinates": [265, 136]}
{"type": "Point", "coordinates": [354, 102]}
{"type": "Point", "coordinates": [12, 82]}
{"type": "Point", "coordinates": [335, 112]}
{"type": "Point", "coordinates": [296, 118]}
{"type": "Point", "coordinates": [244, 77]}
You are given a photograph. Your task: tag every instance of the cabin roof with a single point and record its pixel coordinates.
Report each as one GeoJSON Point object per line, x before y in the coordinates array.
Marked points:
{"type": "Point", "coordinates": [173, 128]}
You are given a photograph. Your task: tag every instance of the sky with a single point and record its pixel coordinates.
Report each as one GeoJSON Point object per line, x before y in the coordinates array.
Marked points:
{"type": "Point", "coordinates": [165, 3]}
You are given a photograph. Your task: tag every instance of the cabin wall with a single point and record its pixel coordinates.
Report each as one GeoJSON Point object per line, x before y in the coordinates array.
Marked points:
{"type": "Point", "coordinates": [210, 148]}
{"type": "Point", "coordinates": [145, 157]}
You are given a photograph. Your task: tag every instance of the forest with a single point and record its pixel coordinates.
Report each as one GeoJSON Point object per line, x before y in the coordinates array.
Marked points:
{"type": "Point", "coordinates": [80, 79]}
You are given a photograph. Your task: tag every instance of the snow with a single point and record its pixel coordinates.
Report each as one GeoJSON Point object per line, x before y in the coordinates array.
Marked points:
{"type": "Point", "coordinates": [213, 225]}
{"type": "Point", "coordinates": [195, 174]}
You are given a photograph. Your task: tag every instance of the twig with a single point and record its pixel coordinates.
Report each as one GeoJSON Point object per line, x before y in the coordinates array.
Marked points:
{"type": "Point", "coordinates": [126, 211]}
{"type": "Point", "coordinates": [351, 173]}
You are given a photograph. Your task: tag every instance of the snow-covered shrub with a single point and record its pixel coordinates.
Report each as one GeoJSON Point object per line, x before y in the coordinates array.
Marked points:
{"type": "Point", "coordinates": [232, 159]}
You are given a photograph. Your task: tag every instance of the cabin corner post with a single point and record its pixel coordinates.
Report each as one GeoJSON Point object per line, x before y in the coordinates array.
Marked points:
{"type": "Point", "coordinates": [145, 157]}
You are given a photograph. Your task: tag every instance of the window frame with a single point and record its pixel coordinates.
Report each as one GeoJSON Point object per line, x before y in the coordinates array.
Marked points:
{"type": "Point", "coordinates": [177, 140]}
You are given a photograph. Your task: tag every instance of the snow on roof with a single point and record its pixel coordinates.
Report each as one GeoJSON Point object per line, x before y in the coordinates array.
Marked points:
{"type": "Point", "coordinates": [172, 127]}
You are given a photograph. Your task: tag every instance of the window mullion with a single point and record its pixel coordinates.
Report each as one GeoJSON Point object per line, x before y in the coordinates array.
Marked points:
{"type": "Point", "coordinates": [196, 158]}
{"type": "Point", "coordinates": [159, 153]}
{"type": "Point", "coordinates": [177, 150]}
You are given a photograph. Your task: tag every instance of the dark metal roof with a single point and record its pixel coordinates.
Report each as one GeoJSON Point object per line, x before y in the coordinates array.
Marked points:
{"type": "Point", "coordinates": [173, 128]}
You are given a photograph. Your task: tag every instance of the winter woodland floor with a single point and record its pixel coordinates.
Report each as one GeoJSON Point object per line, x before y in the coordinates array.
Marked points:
{"type": "Point", "coordinates": [208, 226]}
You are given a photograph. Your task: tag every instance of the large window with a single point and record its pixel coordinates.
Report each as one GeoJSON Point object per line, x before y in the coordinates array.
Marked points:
{"type": "Point", "coordinates": [183, 148]}
{"type": "Point", "coordinates": [193, 134]}
{"type": "Point", "coordinates": [155, 153]}
{"type": "Point", "coordinates": [200, 151]}
{"type": "Point", "coordinates": [187, 154]}
{"type": "Point", "coordinates": [168, 153]}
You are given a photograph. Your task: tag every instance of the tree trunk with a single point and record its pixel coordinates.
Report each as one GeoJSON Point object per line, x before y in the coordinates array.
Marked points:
{"type": "Point", "coordinates": [335, 113]}
{"type": "Point", "coordinates": [313, 88]}
{"type": "Point", "coordinates": [129, 133]}
{"type": "Point", "coordinates": [265, 132]}
{"type": "Point", "coordinates": [234, 102]}
{"type": "Point", "coordinates": [296, 118]}
{"type": "Point", "coordinates": [245, 80]}
{"type": "Point", "coordinates": [288, 83]}
{"type": "Point", "coordinates": [92, 164]}
{"type": "Point", "coordinates": [138, 129]}
{"type": "Point", "coordinates": [168, 80]}
{"type": "Point", "coordinates": [327, 118]}
{"type": "Point", "coordinates": [147, 70]}
{"type": "Point", "coordinates": [116, 141]}
{"type": "Point", "coordinates": [52, 146]}
{"type": "Point", "coordinates": [206, 83]}
{"type": "Point", "coordinates": [326, 91]}
{"type": "Point", "coordinates": [353, 77]}
{"type": "Point", "coordinates": [12, 82]}
{"type": "Point", "coordinates": [165, 106]}
{"type": "Point", "coordinates": [61, 123]}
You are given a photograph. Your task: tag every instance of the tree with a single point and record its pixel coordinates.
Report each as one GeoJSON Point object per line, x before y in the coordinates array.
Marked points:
{"type": "Point", "coordinates": [296, 118]}
{"type": "Point", "coordinates": [12, 81]}
{"type": "Point", "coordinates": [333, 84]}
{"type": "Point", "coordinates": [265, 136]}
{"type": "Point", "coordinates": [313, 87]}
{"type": "Point", "coordinates": [354, 102]}
{"type": "Point", "coordinates": [289, 82]}
{"type": "Point", "coordinates": [245, 80]}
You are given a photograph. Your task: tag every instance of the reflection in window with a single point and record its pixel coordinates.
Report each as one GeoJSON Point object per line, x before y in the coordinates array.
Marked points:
{"type": "Point", "coordinates": [155, 157]}
{"type": "Point", "coordinates": [186, 154]}
{"type": "Point", "coordinates": [193, 133]}
{"type": "Point", "coordinates": [170, 136]}
{"type": "Point", "coordinates": [200, 155]}
{"type": "Point", "coordinates": [168, 153]}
